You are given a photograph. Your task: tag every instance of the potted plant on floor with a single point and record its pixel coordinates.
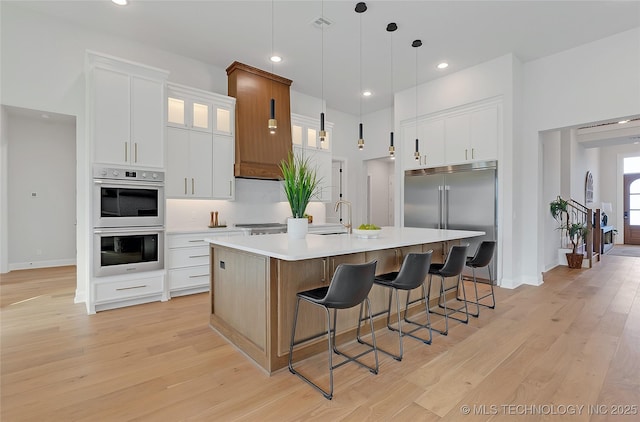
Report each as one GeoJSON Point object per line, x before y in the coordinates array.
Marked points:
{"type": "Point", "coordinates": [575, 231]}
{"type": "Point", "coordinates": [300, 184]}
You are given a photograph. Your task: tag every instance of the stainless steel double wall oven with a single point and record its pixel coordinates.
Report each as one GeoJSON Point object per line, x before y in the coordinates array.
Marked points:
{"type": "Point", "coordinates": [128, 220]}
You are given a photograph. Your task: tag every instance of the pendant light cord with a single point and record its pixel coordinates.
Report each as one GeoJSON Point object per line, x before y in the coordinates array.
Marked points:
{"type": "Point", "coordinates": [322, 56]}
{"type": "Point", "coordinates": [360, 69]}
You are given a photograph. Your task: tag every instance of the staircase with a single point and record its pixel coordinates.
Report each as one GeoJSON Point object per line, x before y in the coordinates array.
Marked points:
{"type": "Point", "coordinates": [591, 218]}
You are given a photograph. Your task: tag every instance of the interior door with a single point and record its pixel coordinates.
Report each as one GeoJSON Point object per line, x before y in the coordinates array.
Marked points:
{"type": "Point", "coordinates": [632, 209]}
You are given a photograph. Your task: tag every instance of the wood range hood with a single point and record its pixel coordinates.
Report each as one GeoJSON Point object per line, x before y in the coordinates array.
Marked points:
{"type": "Point", "coordinates": [259, 152]}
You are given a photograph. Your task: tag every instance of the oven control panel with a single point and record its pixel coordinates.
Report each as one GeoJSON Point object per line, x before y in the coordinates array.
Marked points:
{"type": "Point", "coordinates": [127, 174]}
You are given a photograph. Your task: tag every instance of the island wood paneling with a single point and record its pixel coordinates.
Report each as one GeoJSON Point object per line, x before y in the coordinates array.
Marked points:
{"type": "Point", "coordinates": [240, 293]}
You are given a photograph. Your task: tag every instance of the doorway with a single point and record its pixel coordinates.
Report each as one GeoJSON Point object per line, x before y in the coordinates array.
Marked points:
{"type": "Point", "coordinates": [337, 192]}
{"type": "Point", "coordinates": [39, 195]}
{"type": "Point", "coordinates": [631, 201]}
{"type": "Point", "coordinates": [380, 191]}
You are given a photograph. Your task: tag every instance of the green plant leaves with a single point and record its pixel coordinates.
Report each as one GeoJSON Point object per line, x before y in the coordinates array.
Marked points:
{"type": "Point", "coordinates": [300, 183]}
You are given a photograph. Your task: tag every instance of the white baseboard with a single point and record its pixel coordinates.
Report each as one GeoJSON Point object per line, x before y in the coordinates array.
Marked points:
{"type": "Point", "coordinates": [41, 264]}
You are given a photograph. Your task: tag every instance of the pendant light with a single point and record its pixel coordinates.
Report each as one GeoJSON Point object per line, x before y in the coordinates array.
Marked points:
{"type": "Point", "coordinates": [273, 123]}
{"type": "Point", "coordinates": [390, 29]}
{"type": "Point", "coordinates": [415, 44]}
{"type": "Point", "coordinates": [322, 134]}
{"type": "Point", "coordinates": [360, 9]}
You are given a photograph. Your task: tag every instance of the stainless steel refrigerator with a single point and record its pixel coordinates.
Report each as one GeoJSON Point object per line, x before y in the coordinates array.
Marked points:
{"type": "Point", "coordinates": [459, 197]}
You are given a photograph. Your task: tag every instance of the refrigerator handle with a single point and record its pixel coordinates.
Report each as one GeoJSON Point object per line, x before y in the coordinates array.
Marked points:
{"type": "Point", "coordinates": [446, 207]}
{"type": "Point", "coordinates": [440, 205]}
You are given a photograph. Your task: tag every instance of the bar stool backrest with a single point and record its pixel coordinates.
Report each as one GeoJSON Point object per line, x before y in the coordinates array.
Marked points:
{"type": "Point", "coordinates": [413, 271]}
{"type": "Point", "coordinates": [350, 285]}
{"type": "Point", "coordinates": [483, 255]}
{"type": "Point", "coordinates": [455, 261]}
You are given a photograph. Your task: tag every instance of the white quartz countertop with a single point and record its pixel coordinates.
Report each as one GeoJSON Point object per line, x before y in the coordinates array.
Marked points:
{"type": "Point", "coordinates": [213, 231]}
{"type": "Point", "coordinates": [280, 246]}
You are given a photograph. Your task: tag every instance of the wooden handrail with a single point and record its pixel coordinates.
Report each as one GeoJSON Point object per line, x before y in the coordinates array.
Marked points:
{"type": "Point", "coordinates": [591, 218]}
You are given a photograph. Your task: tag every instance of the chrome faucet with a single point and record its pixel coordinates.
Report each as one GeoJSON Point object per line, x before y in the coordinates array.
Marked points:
{"type": "Point", "coordinates": [348, 225]}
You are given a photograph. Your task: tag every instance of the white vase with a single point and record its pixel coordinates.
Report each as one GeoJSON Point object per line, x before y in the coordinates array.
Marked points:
{"type": "Point", "coordinates": [297, 228]}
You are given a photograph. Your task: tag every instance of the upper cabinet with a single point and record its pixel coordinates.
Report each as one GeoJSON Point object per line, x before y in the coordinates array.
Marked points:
{"type": "Point", "coordinates": [126, 112]}
{"type": "Point", "coordinates": [472, 135]}
{"type": "Point", "coordinates": [259, 152]}
{"type": "Point", "coordinates": [430, 135]}
{"type": "Point", "coordinates": [194, 109]}
{"type": "Point", "coordinates": [306, 143]}
{"type": "Point", "coordinates": [200, 144]}
{"type": "Point", "coordinates": [466, 134]}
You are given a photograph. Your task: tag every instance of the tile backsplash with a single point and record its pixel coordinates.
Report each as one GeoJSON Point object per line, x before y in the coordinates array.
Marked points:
{"type": "Point", "coordinates": [257, 201]}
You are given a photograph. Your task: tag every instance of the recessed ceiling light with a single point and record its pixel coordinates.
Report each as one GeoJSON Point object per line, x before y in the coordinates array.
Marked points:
{"type": "Point", "coordinates": [44, 115]}
{"type": "Point", "coordinates": [621, 122]}
{"type": "Point", "coordinates": [443, 65]}
{"type": "Point", "coordinates": [120, 2]}
{"type": "Point", "coordinates": [366, 93]}
{"type": "Point", "coordinates": [276, 59]}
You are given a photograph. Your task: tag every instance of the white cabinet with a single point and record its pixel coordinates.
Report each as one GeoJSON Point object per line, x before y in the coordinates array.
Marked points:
{"type": "Point", "coordinates": [304, 137]}
{"type": "Point", "coordinates": [223, 179]}
{"type": "Point", "coordinates": [200, 144]}
{"type": "Point", "coordinates": [188, 261]}
{"type": "Point", "coordinates": [430, 134]}
{"type": "Point", "coordinates": [472, 135]}
{"type": "Point", "coordinates": [189, 171]}
{"type": "Point", "coordinates": [119, 291]}
{"type": "Point", "coordinates": [126, 112]}
{"type": "Point", "coordinates": [465, 134]}
{"type": "Point", "coordinates": [195, 109]}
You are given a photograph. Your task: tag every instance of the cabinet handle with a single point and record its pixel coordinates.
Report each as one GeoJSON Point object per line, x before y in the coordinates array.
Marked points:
{"type": "Point", "coordinates": [126, 152]}
{"type": "Point", "coordinates": [324, 269]}
{"type": "Point", "coordinates": [185, 185]}
{"type": "Point", "coordinates": [472, 153]}
{"type": "Point", "coordinates": [193, 186]}
{"type": "Point", "coordinates": [198, 256]}
{"type": "Point", "coordinates": [132, 287]}
{"type": "Point", "coordinates": [465, 154]}
{"type": "Point", "coordinates": [196, 241]}
{"type": "Point", "coordinates": [230, 187]}
{"type": "Point", "coordinates": [135, 150]}
{"type": "Point", "coordinates": [200, 275]}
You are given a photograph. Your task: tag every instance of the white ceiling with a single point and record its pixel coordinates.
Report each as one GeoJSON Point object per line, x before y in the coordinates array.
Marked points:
{"type": "Point", "coordinates": [464, 33]}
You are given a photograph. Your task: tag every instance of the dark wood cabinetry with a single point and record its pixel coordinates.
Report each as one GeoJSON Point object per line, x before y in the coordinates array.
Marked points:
{"type": "Point", "coordinates": [258, 152]}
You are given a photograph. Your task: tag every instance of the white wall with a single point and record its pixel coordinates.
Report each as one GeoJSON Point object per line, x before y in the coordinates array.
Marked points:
{"type": "Point", "coordinates": [590, 83]}
{"type": "Point", "coordinates": [4, 187]}
{"type": "Point", "coordinates": [41, 192]}
{"type": "Point", "coordinates": [551, 180]}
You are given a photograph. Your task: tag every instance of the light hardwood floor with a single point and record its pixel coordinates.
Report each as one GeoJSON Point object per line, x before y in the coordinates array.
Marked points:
{"type": "Point", "coordinates": [544, 351]}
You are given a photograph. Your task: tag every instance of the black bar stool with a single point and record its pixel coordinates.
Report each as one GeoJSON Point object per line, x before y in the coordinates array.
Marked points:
{"type": "Point", "coordinates": [349, 287]}
{"type": "Point", "coordinates": [482, 258]}
{"type": "Point", "coordinates": [412, 275]}
{"type": "Point", "coordinates": [452, 267]}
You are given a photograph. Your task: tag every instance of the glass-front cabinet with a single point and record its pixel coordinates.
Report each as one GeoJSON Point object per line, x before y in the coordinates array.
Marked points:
{"type": "Point", "coordinates": [199, 110]}
{"type": "Point", "coordinates": [306, 143]}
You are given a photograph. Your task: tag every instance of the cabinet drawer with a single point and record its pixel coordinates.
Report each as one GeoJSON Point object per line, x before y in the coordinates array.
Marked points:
{"type": "Point", "coordinates": [186, 278]}
{"type": "Point", "coordinates": [186, 240]}
{"type": "Point", "coordinates": [188, 257]}
{"type": "Point", "coordinates": [197, 239]}
{"type": "Point", "coordinates": [127, 289]}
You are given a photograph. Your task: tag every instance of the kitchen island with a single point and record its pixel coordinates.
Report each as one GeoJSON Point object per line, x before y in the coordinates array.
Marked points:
{"type": "Point", "coordinates": [254, 281]}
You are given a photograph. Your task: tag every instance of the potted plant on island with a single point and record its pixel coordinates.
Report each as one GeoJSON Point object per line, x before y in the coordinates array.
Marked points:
{"type": "Point", "coordinates": [575, 231]}
{"type": "Point", "coordinates": [300, 184]}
